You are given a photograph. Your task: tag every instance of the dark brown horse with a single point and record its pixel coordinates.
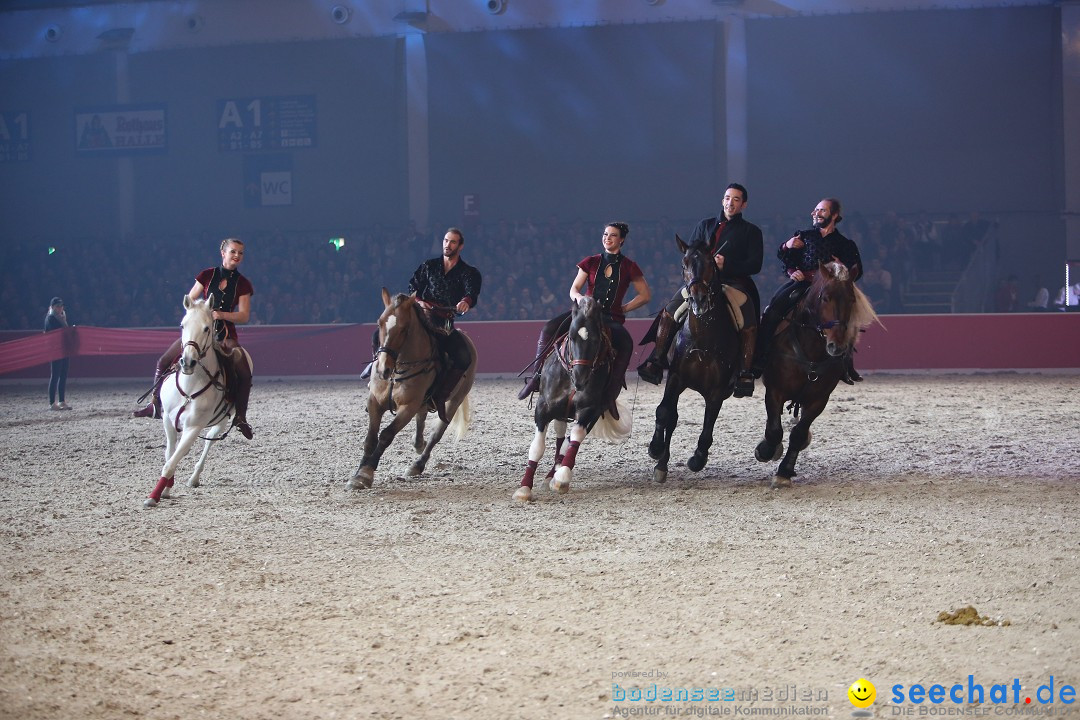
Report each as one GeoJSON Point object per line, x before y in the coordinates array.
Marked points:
{"type": "Point", "coordinates": [807, 361]}
{"type": "Point", "coordinates": [706, 358]}
{"type": "Point", "coordinates": [573, 387]}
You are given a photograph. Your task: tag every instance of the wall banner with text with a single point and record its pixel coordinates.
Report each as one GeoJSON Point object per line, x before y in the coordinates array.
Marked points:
{"type": "Point", "coordinates": [121, 130]}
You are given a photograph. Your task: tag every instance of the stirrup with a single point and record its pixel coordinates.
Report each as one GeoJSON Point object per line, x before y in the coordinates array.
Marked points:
{"type": "Point", "coordinates": [744, 385]}
{"type": "Point", "coordinates": [651, 372]}
{"type": "Point", "coordinates": [531, 386]}
{"type": "Point", "coordinates": [150, 411]}
{"type": "Point", "coordinates": [243, 427]}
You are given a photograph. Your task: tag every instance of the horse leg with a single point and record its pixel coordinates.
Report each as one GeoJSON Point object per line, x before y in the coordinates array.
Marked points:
{"type": "Point", "coordinates": [667, 418]}
{"type": "Point", "coordinates": [170, 447]}
{"type": "Point", "coordinates": [560, 438]}
{"type": "Point", "coordinates": [565, 474]}
{"type": "Point", "coordinates": [425, 454]}
{"type": "Point", "coordinates": [418, 438]}
{"type": "Point", "coordinates": [772, 446]}
{"type": "Point", "coordinates": [212, 433]}
{"type": "Point", "coordinates": [385, 438]}
{"type": "Point", "coordinates": [798, 439]}
{"type": "Point", "coordinates": [365, 474]}
{"type": "Point", "coordinates": [187, 439]}
{"type": "Point", "coordinates": [536, 452]}
{"type": "Point", "coordinates": [705, 439]}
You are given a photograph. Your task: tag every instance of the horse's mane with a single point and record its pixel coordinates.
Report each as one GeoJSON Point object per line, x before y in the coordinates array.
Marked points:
{"type": "Point", "coordinates": [862, 311]}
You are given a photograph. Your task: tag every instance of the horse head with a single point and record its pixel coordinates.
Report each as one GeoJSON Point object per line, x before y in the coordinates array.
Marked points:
{"type": "Point", "coordinates": [397, 316]}
{"type": "Point", "coordinates": [831, 305]}
{"type": "Point", "coordinates": [585, 340]}
{"type": "Point", "coordinates": [196, 333]}
{"type": "Point", "coordinates": [699, 272]}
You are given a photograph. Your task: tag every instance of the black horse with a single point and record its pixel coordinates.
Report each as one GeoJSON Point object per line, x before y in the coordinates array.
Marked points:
{"type": "Point", "coordinates": [573, 387]}
{"type": "Point", "coordinates": [807, 361]}
{"type": "Point", "coordinates": [706, 358]}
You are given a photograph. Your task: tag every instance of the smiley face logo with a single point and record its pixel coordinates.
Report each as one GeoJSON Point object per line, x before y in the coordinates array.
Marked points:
{"type": "Point", "coordinates": [862, 693]}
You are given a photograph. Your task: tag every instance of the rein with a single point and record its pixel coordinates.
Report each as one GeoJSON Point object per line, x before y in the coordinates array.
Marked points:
{"type": "Point", "coordinates": [214, 380]}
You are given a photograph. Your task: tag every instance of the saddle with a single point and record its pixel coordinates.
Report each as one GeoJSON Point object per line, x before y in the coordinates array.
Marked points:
{"type": "Point", "coordinates": [438, 321]}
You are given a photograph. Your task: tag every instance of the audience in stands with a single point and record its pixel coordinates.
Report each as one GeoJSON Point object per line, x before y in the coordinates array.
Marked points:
{"type": "Point", "coordinates": [309, 277]}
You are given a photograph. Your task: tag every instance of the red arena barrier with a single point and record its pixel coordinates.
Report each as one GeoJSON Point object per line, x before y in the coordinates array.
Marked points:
{"type": "Point", "coordinates": [1022, 341]}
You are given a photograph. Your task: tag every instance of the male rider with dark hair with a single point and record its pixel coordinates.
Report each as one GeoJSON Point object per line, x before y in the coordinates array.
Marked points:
{"type": "Point", "coordinates": [736, 246]}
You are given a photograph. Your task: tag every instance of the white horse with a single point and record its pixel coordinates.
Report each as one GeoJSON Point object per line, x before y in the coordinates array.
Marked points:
{"type": "Point", "coordinates": [193, 397]}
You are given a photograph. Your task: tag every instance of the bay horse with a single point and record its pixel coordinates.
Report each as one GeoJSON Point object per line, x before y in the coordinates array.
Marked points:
{"type": "Point", "coordinates": [573, 385]}
{"type": "Point", "coordinates": [406, 362]}
{"type": "Point", "coordinates": [807, 361]}
{"type": "Point", "coordinates": [706, 357]}
{"type": "Point", "coordinates": [193, 397]}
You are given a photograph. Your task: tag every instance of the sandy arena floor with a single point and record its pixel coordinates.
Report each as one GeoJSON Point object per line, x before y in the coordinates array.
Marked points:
{"type": "Point", "coordinates": [272, 591]}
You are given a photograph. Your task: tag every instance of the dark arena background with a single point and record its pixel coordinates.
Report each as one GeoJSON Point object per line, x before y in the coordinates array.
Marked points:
{"type": "Point", "coordinates": [931, 538]}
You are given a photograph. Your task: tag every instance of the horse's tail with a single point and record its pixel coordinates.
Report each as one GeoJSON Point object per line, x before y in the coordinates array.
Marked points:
{"type": "Point", "coordinates": [611, 430]}
{"type": "Point", "coordinates": [459, 424]}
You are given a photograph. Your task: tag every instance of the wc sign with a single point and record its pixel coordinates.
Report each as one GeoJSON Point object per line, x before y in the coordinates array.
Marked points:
{"type": "Point", "coordinates": [268, 180]}
{"type": "Point", "coordinates": [275, 188]}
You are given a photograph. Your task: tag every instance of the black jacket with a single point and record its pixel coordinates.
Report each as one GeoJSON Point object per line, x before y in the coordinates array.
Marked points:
{"type": "Point", "coordinates": [739, 242]}
{"type": "Point", "coordinates": [821, 249]}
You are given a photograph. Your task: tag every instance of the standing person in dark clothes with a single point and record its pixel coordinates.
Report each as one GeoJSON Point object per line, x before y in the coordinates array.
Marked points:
{"type": "Point", "coordinates": [56, 319]}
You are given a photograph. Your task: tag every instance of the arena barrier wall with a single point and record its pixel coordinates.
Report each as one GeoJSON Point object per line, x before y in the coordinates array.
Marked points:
{"type": "Point", "coordinates": [1027, 341]}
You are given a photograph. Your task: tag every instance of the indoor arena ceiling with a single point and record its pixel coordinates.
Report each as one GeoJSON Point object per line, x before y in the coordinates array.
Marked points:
{"type": "Point", "coordinates": [34, 28]}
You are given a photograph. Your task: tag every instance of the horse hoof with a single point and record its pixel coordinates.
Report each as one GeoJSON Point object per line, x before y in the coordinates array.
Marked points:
{"type": "Point", "coordinates": [779, 481]}
{"type": "Point", "coordinates": [149, 503]}
{"type": "Point", "coordinates": [523, 494]}
{"type": "Point", "coordinates": [659, 475]}
{"type": "Point", "coordinates": [361, 482]}
{"type": "Point", "coordinates": [696, 462]}
{"type": "Point", "coordinates": [193, 482]}
{"type": "Point", "coordinates": [165, 494]}
{"type": "Point", "coordinates": [414, 470]}
{"type": "Point", "coordinates": [762, 454]}
{"type": "Point", "coordinates": [561, 484]}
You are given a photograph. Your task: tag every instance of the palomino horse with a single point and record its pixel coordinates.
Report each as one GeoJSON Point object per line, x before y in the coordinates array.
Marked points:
{"type": "Point", "coordinates": [405, 366]}
{"type": "Point", "coordinates": [193, 397]}
{"type": "Point", "coordinates": [573, 387]}
{"type": "Point", "coordinates": [807, 361]}
{"type": "Point", "coordinates": [706, 358]}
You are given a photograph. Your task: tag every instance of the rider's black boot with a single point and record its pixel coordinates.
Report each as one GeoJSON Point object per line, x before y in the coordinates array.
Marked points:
{"type": "Point", "coordinates": [542, 351]}
{"type": "Point", "coordinates": [851, 375]}
{"type": "Point", "coordinates": [744, 385]}
{"type": "Point", "coordinates": [652, 370]}
{"type": "Point", "coordinates": [241, 377]}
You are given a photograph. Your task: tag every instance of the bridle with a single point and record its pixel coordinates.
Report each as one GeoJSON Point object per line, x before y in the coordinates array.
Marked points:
{"type": "Point", "coordinates": [213, 381]}
{"type": "Point", "coordinates": [703, 308]}
{"type": "Point", "coordinates": [403, 369]}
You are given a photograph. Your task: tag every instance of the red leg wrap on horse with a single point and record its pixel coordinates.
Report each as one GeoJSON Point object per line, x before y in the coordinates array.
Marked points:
{"type": "Point", "coordinates": [558, 462]}
{"type": "Point", "coordinates": [571, 454]}
{"type": "Point", "coordinates": [159, 488]}
{"type": "Point", "coordinates": [530, 471]}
